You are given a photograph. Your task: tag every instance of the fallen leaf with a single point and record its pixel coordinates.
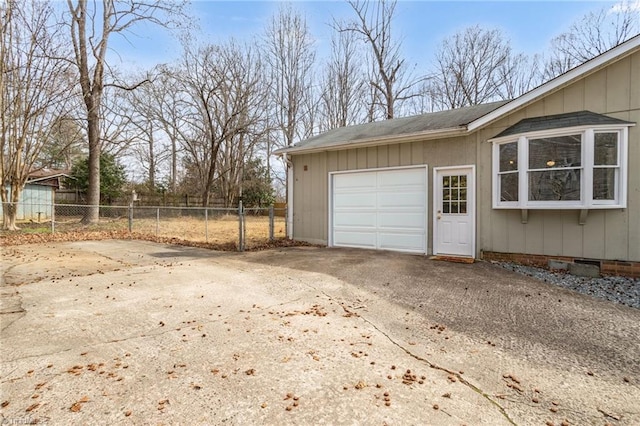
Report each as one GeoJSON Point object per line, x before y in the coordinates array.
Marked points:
{"type": "Point", "coordinates": [32, 407]}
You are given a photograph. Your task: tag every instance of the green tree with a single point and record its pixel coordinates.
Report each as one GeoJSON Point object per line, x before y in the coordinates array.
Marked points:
{"type": "Point", "coordinates": [257, 190]}
{"type": "Point", "coordinates": [112, 177]}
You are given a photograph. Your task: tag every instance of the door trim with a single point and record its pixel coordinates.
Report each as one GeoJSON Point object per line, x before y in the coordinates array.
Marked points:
{"type": "Point", "coordinates": [376, 169]}
{"type": "Point", "coordinates": [471, 205]}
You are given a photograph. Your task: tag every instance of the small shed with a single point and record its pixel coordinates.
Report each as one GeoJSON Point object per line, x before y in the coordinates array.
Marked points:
{"type": "Point", "coordinates": [38, 195]}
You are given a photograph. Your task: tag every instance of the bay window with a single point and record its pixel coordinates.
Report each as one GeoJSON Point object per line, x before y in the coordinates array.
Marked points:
{"type": "Point", "coordinates": [581, 168]}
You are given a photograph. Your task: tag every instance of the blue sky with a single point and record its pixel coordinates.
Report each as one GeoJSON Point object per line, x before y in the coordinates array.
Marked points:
{"type": "Point", "coordinates": [422, 25]}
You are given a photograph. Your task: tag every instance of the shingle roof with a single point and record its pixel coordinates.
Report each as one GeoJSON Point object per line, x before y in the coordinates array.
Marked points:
{"type": "Point", "coordinates": [457, 121]}
{"type": "Point", "coordinates": [48, 173]}
{"type": "Point", "coordinates": [571, 119]}
{"type": "Point", "coordinates": [381, 130]}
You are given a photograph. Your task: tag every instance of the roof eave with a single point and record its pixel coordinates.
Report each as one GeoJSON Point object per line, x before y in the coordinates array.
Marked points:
{"type": "Point", "coordinates": [364, 143]}
{"type": "Point", "coordinates": [559, 82]}
{"type": "Point", "coordinates": [38, 179]}
{"type": "Point", "coordinates": [580, 128]}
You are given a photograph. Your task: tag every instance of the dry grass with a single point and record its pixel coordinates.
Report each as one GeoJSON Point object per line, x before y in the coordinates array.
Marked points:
{"type": "Point", "coordinates": [219, 232]}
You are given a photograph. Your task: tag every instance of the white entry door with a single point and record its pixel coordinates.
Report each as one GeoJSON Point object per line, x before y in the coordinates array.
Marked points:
{"type": "Point", "coordinates": [454, 211]}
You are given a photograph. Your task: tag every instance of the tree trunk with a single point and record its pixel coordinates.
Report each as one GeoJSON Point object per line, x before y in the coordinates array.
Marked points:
{"type": "Point", "coordinates": [152, 160]}
{"type": "Point", "coordinates": [92, 213]}
{"type": "Point", "coordinates": [174, 163]}
{"type": "Point", "coordinates": [10, 209]}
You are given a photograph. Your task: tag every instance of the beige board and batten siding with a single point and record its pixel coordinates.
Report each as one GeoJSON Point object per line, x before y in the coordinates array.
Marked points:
{"type": "Point", "coordinates": [607, 234]}
{"type": "Point", "coordinates": [310, 190]}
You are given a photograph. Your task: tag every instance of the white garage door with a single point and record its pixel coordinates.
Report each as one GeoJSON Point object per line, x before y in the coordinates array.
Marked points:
{"type": "Point", "coordinates": [381, 209]}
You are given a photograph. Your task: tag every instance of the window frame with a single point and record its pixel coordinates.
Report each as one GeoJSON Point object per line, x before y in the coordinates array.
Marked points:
{"type": "Point", "coordinates": [586, 201]}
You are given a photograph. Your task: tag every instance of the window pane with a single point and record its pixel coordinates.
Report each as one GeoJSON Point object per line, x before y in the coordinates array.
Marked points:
{"type": "Point", "coordinates": [445, 207]}
{"type": "Point", "coordinates": [463, 181]}
{"type": "Point", "coordinates": [606, 149]}
{"type": "Point", "coordinates": [554, 185]}
{"type": "Point", "coordinates": [509, 157]}
{"type": "Point", "coordinates": [463, 194]}
{"type": "Point", "coordinates": [455, 194]}
{"type": "Point", "coordinates": [454, 208]}
{"type": "Point", "coordinates": [555, 152]}
{"type": "Point", "coordinates": [463, 207]}
{"type": "Point", "coordinates": [446, 194]}
{"type": "Point", "coordinates": [604, 184]}
{"type": "Point", "coordinates": [454, 181]}
{"type": "Point", "coordinates": [445, 181]}
{"type": "Point", "coordinates": [509, 187]}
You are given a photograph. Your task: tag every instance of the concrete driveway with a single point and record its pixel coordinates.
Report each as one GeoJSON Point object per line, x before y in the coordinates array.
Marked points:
{"type": "Point", "coordinates": [131, 332]}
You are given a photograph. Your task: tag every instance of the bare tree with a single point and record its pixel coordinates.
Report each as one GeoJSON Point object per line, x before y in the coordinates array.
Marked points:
{"type": "Point", "coordinates": [390, 80]}
{"type": "Point", "coordinates": [468, 66]}
{"type": "Point", "coordinates": [150, 146]}
{"type": "Point", "coordinates": [290, 57]}
{"type": "Point", "coordinates": [118, 130]}
{"type": "Point", "coordinates": [593, 34]}
{"type": "Point", "coordinates": [343, 88]}
{"type": "Point", "coordinates": [518, 74]}
{"type": "Point", "coordinates": [245, 94]}
{"type": "Point", "coordinates": [64, 145]}
{"type": "Point", "coordinates": [164, 105]}
{"type": "Point", "coordinates": [34, 89]}
{"type": "Point", "coordinates": [90, 32]}
{"type": "Point", "coordinates": [224, 87]}
{"type": "Point", "coordinates": [423, 102]}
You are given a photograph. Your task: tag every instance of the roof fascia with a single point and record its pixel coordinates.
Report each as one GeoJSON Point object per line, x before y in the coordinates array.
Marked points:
{"type": "Point", "coordinates": [557, 83]}
{"type": "Point", "coordinates": [59, 175]}
{"type": "Point", "coordinates": [363, 143]}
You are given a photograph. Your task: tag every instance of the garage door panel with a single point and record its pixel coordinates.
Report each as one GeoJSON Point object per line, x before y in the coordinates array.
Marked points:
{"type": "Point", "coordinates": [401, 242]}
{"type": "Point", "coordinates": [413, 221]}
{"type": "Point", "coordinates": [354, 181]}
{"type": "Point", "coordinates": [402, 200]}
{"type": "Point", "coordinates": [383, 209]}
{"type": "Point", "coordinates": [353, 201]}
{"type": "Point", "coordinates": [401, 178]}
{"type": "Point", "coordinates": [355, 239]}
{"type": "Point", "coordinates": [354, 218]}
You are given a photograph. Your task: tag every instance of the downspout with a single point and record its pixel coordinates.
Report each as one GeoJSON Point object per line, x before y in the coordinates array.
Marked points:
{"type": "Point", "coordinates": [289, 196]}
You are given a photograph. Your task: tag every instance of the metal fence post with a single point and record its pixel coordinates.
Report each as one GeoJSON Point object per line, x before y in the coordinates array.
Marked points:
{"type": "Point", "coordinates": [206, 225]}
{"type": "Point", "coordinates": [240, 227]}
{"type": "Point", "coordinates": [157, 221]}
{"type": "Point", "coordinates": [286, 223]}
{"type": "Point", "coordinates": [271, 224]}
{"type": "Point", "coordinates": [130, 216]}
{"type": "Point", "coordinates": [53, 216]}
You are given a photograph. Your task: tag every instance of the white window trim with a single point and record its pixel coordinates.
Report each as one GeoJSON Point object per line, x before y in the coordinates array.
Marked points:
{"type": "Point", "coordinates": [586, 176]}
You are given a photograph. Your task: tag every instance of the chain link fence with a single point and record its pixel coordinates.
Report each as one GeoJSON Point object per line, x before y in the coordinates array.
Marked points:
{"type": "Point", "coordinates": [233, 228]}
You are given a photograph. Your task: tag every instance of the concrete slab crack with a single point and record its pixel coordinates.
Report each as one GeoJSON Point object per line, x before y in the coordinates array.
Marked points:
{"type": "Point", "coordinates": [431, 364]}
{"type": "Point", "coordinates": [460, 378]}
